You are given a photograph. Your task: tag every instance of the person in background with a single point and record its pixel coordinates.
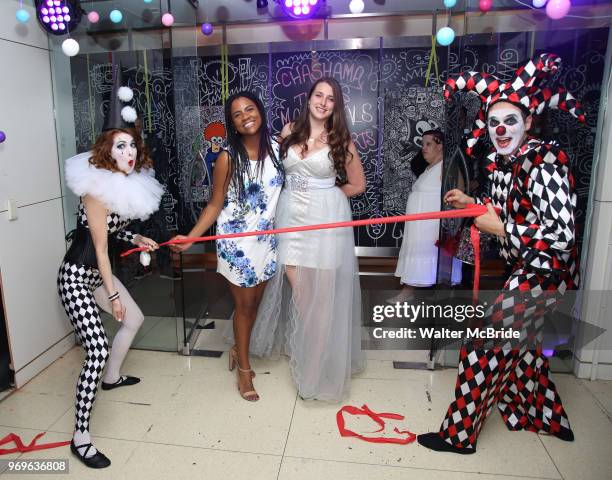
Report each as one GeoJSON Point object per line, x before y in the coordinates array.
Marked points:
{"type": "Point", "coordinates": [417, 263]}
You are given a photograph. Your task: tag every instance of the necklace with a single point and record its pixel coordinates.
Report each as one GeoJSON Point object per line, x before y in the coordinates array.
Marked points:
{"type": "Point", "coordinates": [318, 137]}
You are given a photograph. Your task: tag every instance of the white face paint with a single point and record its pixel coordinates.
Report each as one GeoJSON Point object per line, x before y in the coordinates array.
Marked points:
{"type": "Point", "coordinates": [506, 127]}
{"type": "Point", "coordinates": [124, 152]}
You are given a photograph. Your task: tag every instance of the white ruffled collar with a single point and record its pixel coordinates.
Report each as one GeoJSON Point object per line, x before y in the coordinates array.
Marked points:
{"type": "Point", "coordinates": [133, 196]}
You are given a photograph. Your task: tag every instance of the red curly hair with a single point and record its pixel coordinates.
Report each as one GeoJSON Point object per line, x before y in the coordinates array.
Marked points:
{"type": "Point", "coordinates": [101, 151]}
{"type": "Point", "coordinates": [214, 129]}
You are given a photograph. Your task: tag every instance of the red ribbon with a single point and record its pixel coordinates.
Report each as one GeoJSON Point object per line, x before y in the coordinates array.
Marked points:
{"type": "Point", "coordinates": [379, 419]}
{"type": "Point", "coordinates": [32, 446]}
{"type": "Point", "coordinates": [475, 239]}
{"type": "Point", "coordinates": [472, 210]}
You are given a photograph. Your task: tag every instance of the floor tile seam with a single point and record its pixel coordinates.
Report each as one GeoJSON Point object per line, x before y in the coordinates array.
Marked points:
{"type": "Point", "coordinates": [280, 464]}
{"type": "Point", "coordinates": [23, 428]}
{"type": "Point", "coordinates": [151, 442]}
{"type": "Point", "coordinates": [26, 391]}
{"type": "Point", "coordinates": [423, 468]}
{"type": "Point", "coordinates": [597, 401]}
{"type": "Point", "coordinates": [540, 438]}
{"type": "Point", "coordinates": [45, 429]}
{"type": "Point", "coordinates": [386, 379]}
{"type": "Point", "coordinates": [215, 449]}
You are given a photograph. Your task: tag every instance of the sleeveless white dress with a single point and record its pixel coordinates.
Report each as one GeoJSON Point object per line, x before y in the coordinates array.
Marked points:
{"type": "Point", "coordinates": [417, 263]}
{"type": "Point", "coordinates": [248, 261]}
{"type": "Point", "coordinates": [318, 323]}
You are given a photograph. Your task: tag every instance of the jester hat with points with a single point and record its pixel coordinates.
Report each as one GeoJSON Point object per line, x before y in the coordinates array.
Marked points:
{"type": "Point", "coordinates": [524, 90]}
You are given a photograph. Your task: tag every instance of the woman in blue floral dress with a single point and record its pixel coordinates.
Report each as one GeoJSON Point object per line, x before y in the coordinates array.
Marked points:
{"type": "Point", "coordinates": [247, 181]}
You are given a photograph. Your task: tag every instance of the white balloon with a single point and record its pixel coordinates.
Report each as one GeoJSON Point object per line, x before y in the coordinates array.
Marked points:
{"type": "Point", "coordinates": [539, 3]}
{"type": "Point", "coordinates": [145, 259]}
{"type": "Point", "coordinates": [70, 47]}
{"type": "Point", "coordinates": [356, 6]}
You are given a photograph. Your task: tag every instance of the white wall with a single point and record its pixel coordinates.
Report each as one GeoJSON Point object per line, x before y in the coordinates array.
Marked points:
{"type": "Point", "coordinates": [32, 245]}
{"type": "Point", "coordinates": [594, 360]}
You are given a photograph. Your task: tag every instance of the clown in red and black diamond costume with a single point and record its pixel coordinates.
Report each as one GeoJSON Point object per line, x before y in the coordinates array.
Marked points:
{"type": "Point", "coordinates": [533, 188]}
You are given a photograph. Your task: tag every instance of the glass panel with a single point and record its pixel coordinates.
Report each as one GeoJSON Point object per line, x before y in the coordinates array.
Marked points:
{"type": "Point", "coordinates": [82, 86]}
{"type": "Point", "coordinates": [392, 88]}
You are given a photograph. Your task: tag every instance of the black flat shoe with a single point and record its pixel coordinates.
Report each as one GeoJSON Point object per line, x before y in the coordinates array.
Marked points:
{"type": "Point", "coordinates": [99, 460]}
{"type": "Point", "coordinates": [434, 441]}
{"type": "Point", "coordinates": [124, 381]}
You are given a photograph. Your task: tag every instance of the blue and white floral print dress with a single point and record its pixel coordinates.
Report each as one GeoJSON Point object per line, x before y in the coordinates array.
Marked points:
{"type": "Point", "coordinates": [248, 261]}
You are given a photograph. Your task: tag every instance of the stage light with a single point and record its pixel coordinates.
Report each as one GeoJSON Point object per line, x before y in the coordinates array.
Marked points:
{"type": "Point", "coordinates": [300, 9]}
{"type": "Point", "coordinates": [58, 16]}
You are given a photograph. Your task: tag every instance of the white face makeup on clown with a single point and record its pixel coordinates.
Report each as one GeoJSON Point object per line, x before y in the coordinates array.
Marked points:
{"type": "Point", "coordinates": [124, 152]}
{"type": "Point", "coordinates": [506, 127]}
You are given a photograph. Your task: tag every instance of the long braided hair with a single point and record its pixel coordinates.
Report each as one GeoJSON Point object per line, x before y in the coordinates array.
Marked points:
{"type": "Point", "coordinates": [240, 168]}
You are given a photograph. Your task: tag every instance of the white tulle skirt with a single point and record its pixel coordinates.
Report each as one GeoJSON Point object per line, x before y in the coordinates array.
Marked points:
{"type": "Point", "coordinates": [317, 323]}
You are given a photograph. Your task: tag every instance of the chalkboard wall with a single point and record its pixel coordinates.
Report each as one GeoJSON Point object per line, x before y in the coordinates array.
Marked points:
{"type": "Point", "coordinates": [388, 104]}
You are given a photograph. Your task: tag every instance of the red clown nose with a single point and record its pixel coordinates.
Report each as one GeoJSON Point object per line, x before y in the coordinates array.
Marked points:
{"type": "Point", "coordinates": [501, 130]}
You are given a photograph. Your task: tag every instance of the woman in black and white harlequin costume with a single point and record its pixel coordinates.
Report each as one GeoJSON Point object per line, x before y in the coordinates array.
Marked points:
{"type": "Point", "coordinates": [116, 185]}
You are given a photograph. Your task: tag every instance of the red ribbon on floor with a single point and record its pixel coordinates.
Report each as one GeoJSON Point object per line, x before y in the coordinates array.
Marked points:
{"type": "Point", "coordinates": [379, 419]}
{"type": "Point", "coordinates": [32, 446]}
{"type": "Point", "coordinates": [472, 210]}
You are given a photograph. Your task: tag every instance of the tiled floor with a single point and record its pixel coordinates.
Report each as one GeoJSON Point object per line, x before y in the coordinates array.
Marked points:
{"type": "Point", "coordinates": [186, 420]}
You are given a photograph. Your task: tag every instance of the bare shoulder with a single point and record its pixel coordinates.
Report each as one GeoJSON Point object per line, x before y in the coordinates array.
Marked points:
{"type": "Point", "coordinates": [93, 205]}
{"type": "Point", "coordinates": [223, 160]}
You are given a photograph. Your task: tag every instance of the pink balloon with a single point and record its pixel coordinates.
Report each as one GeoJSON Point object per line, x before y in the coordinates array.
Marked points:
{"type": "Point", "coordinates": [485, 5]}
{"type": "Point", "coordinates": [557, 9]}
{"type": "Point", "coordinates": [167, 19]}
{"type": "Point", "coordinates": [93, 17]}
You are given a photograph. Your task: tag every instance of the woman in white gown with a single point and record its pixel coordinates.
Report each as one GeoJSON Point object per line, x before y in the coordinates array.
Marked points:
{"type": "Point", "coordinates": [315, 317]}
{"type": "Point", "coordinates": [417, 263]}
